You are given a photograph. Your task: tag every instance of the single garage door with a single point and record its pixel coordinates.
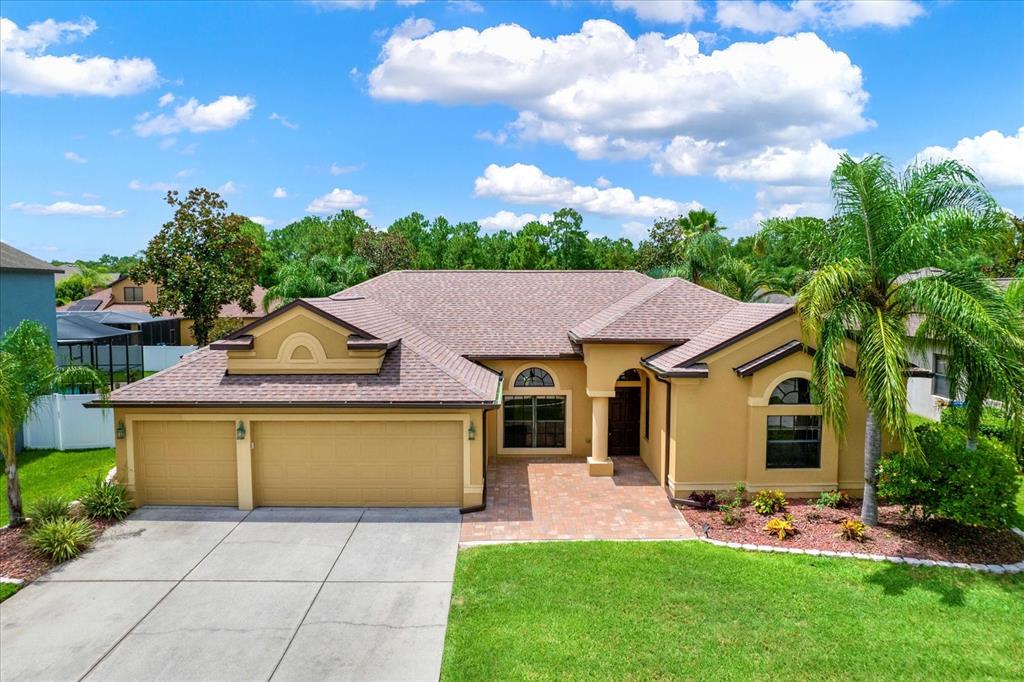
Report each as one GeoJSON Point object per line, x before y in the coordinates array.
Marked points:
{"type": "Point", "coordinates": [357, 463]}
{"type": "Point", "coordinates": [186, 462]}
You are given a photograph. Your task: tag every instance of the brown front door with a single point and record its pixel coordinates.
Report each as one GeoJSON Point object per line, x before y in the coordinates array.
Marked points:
{"type": "Point", "coordinates": [624, 422]}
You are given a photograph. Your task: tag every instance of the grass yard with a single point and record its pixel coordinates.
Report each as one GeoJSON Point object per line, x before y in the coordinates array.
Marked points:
{"type": "Point", "coordinates": [56, 472]}
{"type": "Point", "coordinates": [8, 589]}
{"type": "Point", "coordinates": [660, 610]}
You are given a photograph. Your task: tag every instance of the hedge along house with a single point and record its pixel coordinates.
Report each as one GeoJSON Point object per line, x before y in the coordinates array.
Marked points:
{"type": "Point", "coordinates": [395, 392]}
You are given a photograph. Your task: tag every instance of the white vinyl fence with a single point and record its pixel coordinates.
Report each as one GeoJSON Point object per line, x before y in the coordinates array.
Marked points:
{"type": "Point", "coordinates": [60, 422]}
{"type": "Point", "coordinates": [156, 358]}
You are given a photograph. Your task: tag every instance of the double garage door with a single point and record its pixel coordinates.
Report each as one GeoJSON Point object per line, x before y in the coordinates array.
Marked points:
{"type": "Point", "coordinates": [295, 463]}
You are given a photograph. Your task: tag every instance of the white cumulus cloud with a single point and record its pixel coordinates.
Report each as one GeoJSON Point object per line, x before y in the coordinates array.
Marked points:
{"type": "Point", "coordinates": [280, 193]}
{"type": "Point", "coordinates": [228, 187]}
{"type": "Point", "coordinates": [507, 220]}
{"type": "Point", "coordinates": [140, 186]}
{"type": "Point", "coordinates": [997, 158]}
{"type": "Point", "coordinates": [261, 220]}
{"type": "Point", "coordinates": [223, 113]}
{"type": "Point", "coordinates": [165, 99]}
{"type": "Point", "coordinates": [528, 184]}
{"type": "Point", "coordinates": [75, 158]}
{"type": "Point", "coordinates": [414, 28]}
{"type": "Point", "coordinates": [283, 120]}
{"type": "Point", "coordinates": [29, 70]}
{"type": "Point", "coordinates": [765, 16]}
{"type": "Point", "coordinates": [667, 11]}
{"type": "Point", "coordinates": [68, 208]}
{"type": "Point", "coordinates": [336, 200]}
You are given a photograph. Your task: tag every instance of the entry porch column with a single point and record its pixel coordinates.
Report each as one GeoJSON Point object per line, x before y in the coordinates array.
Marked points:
{"type": "Point", "coordinates": [598, 464]}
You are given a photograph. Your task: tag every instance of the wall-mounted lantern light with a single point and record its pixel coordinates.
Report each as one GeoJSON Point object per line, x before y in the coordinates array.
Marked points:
{"type": "Point", "coordinates": [240, 431]}
{"type": "Point", "coordinates": [472, 431]}
{"type": "Point", "coordinates": [119, 431]}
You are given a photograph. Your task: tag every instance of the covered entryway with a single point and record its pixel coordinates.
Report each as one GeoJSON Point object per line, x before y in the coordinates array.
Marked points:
{"type": "Point", "coordinates": [186, 462]}
{"type": "Point", "coordinates": [624, 422]}
{"type": "Point", "coordinates": [357, 463]}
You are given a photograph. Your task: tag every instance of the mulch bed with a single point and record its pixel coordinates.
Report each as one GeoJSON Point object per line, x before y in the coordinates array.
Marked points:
{"type": "Point", "coordinates": [19, 560]}
{"type": "Point", "coordinates": [896, 535]}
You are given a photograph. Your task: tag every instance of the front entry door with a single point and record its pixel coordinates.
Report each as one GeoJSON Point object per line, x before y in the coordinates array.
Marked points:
{"type": "Point", "coordinates": [624, 422]}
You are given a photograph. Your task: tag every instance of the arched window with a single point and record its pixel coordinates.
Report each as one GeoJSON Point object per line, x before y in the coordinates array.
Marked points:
{"type": "Point", "coordinates": [534, 377]}
{"type": "Point", "coordinates": [791, 392]}
{"type": "Point", "coordinates": [794, 441]}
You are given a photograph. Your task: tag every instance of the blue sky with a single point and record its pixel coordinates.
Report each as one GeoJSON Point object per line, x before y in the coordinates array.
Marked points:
{"type": "Point", "coordinates": [495, 112]}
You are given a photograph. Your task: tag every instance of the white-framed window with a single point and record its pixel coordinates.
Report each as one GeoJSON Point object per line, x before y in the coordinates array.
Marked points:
{"type": "Point", "coordinates": [940, 378]}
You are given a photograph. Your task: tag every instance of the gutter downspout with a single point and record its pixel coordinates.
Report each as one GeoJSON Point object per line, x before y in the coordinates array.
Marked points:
{"type": "Point", "coordinates": [668, 431]}
{"type": "Point", "coordinates": [483, 434]}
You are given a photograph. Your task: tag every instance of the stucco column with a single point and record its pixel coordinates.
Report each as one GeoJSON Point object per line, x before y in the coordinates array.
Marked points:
{"type": "Point", "coordinates": [243, 456]}
{"type": "Point", "coordinates": [598, 463]}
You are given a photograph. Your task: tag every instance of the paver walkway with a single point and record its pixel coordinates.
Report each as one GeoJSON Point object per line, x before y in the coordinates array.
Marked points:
{"type": "Point", "coordinates": [190, 593]}
{"type": "Point", "coordinates": [553, 498]}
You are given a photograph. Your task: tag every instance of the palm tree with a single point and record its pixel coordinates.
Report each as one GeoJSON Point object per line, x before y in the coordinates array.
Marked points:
{"type": "Point", "coordinates": [319, 276]}
{"type": "Point", "coordinates": [888, 225]}
{"type": "Point", "coordinates": [701, 245]}
{"type": "Point", "coordinates": [739, 279]}
{"type": "Point", "coordinates": [27, 373]}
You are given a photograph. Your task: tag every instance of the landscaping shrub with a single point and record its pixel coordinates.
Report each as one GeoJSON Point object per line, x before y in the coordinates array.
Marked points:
{"type": "Point", "coordinates": [731, 503]}
{"type": "Point", "coordinates": [851, 529]}
{"type": "Point", "coordinates": [781, 527]}
{"type": "Point", "coordinates": [769, 501]}
{"type": "Point", "coordinates": [704, 500]}
{"type": "Point", "coordinates": [976, 487]}
{"type": "Point", "coordinates": [833, 499]}
{"type": "Point", "coordinates": [105, 500]}
{"type": "Point", "coordinates": [993, 424]}
{"type": "Point", "coordinates": [61, 539]}
{"type": "Point", "coordinates": [48, 508]}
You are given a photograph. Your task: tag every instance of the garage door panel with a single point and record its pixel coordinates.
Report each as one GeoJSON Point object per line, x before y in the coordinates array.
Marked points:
{"type": "Point", "coordinates": [357, 463]}
{"type": "Point", "coordinates": [183, 462]}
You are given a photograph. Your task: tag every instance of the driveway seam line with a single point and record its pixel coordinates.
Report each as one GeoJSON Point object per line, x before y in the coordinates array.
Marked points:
{"type": "Point", "coordinates": [161, 600]}
{"type": "Point", "coordinates": [315, 596]}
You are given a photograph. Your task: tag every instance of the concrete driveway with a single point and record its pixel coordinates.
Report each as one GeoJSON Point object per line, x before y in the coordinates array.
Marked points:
{"type": "Point", "coordinates": [218, 594]}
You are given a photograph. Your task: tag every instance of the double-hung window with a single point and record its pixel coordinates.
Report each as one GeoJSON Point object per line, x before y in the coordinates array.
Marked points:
{"type": "Point", "coordinates": [940, 378]}
{"type": "Point", "coordinates": [794, 440]}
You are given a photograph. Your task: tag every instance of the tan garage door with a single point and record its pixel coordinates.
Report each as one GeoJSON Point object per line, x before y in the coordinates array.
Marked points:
{"type": "Point", "coordinates": [357, 463]}
{"type": "Point", "coordinates": [188, 462]}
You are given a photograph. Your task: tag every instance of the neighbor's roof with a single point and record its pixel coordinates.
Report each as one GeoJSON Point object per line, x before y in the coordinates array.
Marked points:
{"type": "Point", "coordinates": [76, 329]}
{"type": "Point", "coordinates": [102, 299]}
{"type": "Point", "coordinates": [15, 259]}
{"type": "Point", "coordinates": [434, 324]}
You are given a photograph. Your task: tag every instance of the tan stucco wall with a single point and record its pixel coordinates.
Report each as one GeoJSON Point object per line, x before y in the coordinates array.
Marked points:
{"type": "Point", "coordinates": [301, 342]}
{"type": "Point", "coordinates": [473, 485]}
{"type": "Point", "coordinates": [149, 291]}
{"type": "Point", "coordinates": [719, 429]}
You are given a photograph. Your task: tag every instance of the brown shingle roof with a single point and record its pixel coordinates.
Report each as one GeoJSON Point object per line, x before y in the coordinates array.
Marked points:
{"type": "Point", "coordinates": [432, 321]}
{"type": "Point", "coordinates": [741, 320]}
{"type": "Point", "coordinates": [486, 313]}
{"type": "Point", "coordinates": [668, 310]}
{"type": "Point", "coordinates": [106, 302]}
{"type": "Point", "coordinates": [16, 259]}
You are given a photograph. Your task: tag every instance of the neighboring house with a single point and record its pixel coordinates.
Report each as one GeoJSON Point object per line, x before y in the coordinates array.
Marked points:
{"type": "Point", "coordinates": [395, 392]}
{"type": "Point", "coordinates": [125, 295]}
{"type": "Point", "coordinates": [26, 290]}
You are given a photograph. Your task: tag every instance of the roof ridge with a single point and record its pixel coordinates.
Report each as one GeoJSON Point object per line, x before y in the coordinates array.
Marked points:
{"type": "Point", "coordinates": [665, 283]}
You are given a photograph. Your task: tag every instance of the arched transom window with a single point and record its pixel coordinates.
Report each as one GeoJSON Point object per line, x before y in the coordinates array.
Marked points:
{"type": "Point", "coordinates": [791, 392]}
{"type": "Point", "coordinates": [534, 377]}
{"type": "Point", "coordinates": [794, 441]}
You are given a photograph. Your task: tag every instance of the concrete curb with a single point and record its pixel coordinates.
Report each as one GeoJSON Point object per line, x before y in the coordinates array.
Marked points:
{"type": "Point", "coordinates": [998, 569]}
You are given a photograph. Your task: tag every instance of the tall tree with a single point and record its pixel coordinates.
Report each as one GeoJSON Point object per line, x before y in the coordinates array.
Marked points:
{"type": "Point", "coordinates": [200, 260]}
{"type": "Point", "coordinates": [384, 251]}
{"type": "Point", "coordinates": [27, 373]}
{"type": "Point", "coordinates": [739, 279]}
{"type": "Point", "coordinates": [892, 231]}
{"type": "Point", "coordinates": [570, 245]}
{"type": "Point", "coordinates": [319, 276]}
{"type": "Point", "coordinates": [530, 249]}
{"type": "Point", "coordinates": [333, 236]}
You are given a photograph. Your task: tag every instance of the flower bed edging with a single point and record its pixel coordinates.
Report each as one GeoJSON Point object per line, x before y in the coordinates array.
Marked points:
{"type": "Point", "coordinates": [12, 581]}
{"type": "Point", "coordinates": [998, 569]}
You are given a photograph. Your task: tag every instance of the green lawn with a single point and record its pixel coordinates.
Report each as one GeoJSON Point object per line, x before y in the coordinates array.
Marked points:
{"type": "Point", "coordinates": [661, 610]}
{"type": "Point", "coordinates": [56, 472]}
{"type": "Point", "coordinates": [7, 589]}
{"type": "Point", "coordinates": [1020, 504]}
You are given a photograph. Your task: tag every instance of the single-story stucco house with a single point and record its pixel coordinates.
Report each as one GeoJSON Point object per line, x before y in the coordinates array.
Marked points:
{"type": "Point", "coordinates": [397, 391]}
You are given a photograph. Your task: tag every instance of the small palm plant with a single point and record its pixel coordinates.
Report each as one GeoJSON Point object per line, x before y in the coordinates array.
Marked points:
{"type": "Point", "coordinates": [899, 241]}
{"type": "Point", "coordinates": [28, 372]}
